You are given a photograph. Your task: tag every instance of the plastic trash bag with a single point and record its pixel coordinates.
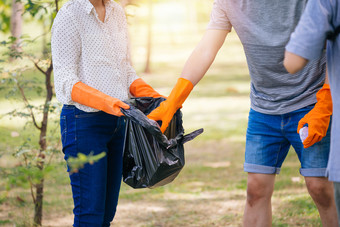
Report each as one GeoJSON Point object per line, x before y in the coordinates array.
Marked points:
{"type": "Point", "coordinates": [152, 159]}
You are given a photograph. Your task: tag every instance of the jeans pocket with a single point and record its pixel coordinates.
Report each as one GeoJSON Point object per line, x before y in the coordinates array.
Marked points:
{"type": "Point", "coordinates": [83, 114]}
{"type": "Point", "coordinates": [63, 129]}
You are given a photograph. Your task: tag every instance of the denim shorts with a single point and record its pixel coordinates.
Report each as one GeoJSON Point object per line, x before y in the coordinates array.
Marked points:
{"type": "Point", "coordinates": [269, 138]}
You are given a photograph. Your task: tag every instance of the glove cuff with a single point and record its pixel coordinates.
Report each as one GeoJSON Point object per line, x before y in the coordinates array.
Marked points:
{"type": "Point", "coordinates": [139, 88]}
{"type": "Point", "coordinates": [324, 99]}
{"type": "Point", "coordinates": [180, 92]}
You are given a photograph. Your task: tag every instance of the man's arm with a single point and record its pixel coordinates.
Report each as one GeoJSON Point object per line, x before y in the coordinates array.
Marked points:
{"type": "Point", "coordinates": [203, 55]}
{"type": "Point", "coordinates": [319, 117]}
{"type": "Point", "coordinates": [308, 40]}
{"type": "Point", "coordinates": [326, 78]}
{"type": "Point", "coordinates": [294, 63]}
{"type": "Point", "coordinates": [194, 69]}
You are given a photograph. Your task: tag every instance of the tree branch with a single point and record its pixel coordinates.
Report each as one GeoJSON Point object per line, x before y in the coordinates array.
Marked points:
{"type": "Point", "coordinates": [29, 179]}
{"type": "Point", "coordinates": [50, 159]}
{"type": "Point", "coordinates": [56, 6]}
{"type": "Point", "coordinates": [38, 67]}
{"type": "Point", "coordinates": [27, 104]}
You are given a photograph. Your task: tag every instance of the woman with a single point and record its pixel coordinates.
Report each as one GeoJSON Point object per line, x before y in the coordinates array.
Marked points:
{"type": "Point", "coordinates": [92, 74]}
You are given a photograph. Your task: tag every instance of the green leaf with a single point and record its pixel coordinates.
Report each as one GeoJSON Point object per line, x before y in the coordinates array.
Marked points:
{"type": "Point", "coordinates": [21, 152]}
{"type": "Point", "coordinates": [76, 163]}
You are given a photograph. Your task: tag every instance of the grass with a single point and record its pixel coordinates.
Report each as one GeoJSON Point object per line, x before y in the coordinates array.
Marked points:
{"type": "Point", "coordinates": [210, 190]}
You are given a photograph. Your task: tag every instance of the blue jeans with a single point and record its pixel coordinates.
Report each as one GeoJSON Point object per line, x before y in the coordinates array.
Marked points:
{"type": "Point", "coordinates": [269, 138]}
{"type": "Point", "coordinates": [95, 187]}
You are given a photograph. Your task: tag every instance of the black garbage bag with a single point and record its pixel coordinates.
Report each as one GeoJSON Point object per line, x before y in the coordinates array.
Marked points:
{"type": "Point", "coordinates": [152, 159]}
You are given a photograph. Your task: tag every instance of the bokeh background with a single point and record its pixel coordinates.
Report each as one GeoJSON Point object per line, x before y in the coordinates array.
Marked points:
{"type": "Point", "coordinates": [210, 190]}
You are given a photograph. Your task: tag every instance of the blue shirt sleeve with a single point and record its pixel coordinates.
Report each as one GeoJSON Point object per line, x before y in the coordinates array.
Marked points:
{"type": "Point", "coordinates": [308, 39]}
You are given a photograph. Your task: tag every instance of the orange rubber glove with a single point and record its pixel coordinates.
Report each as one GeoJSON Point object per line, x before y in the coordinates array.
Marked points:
{"type": "Point", "coordinates": [91, 97]}
{"type": "Point", "coordinates": [168, 108]}
{"type": "Point", "coordinates": [318, 118]}
{"type": "Point", "coordinates": [139, 88]}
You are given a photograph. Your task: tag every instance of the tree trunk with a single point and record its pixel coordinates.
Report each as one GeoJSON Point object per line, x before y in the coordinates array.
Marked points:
{"type": "Point", "coordinates": [149, 41]}
{"type": "Point", "coordinates": [38, 206]}
{"type": "Point", "coordinates": [16, 23]}
{"type": "Point", "coordinates": [38, 211]}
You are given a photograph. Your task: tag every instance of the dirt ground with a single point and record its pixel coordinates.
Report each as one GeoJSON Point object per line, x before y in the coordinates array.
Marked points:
{"type": "Point", "coordinates": [210, 191]}
{"type": "Point", "coordinates": [203, 213]}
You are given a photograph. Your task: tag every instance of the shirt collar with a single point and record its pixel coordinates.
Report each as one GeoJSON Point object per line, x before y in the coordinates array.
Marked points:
{"type": "Point", "coordinates": [88, 5]}
{"type": "Point", "coordinates": [110, 5]}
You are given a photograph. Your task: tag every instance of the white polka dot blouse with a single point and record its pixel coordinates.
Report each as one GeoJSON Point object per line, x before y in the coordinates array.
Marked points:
{"type": "Point", "coordinates": [91, 51]}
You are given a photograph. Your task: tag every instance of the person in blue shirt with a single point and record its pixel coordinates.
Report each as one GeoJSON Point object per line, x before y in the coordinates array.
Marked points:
{"type": "Point", "coordinates": [318, 27]}
{"type": "Point", "coordinates": [277, 105]}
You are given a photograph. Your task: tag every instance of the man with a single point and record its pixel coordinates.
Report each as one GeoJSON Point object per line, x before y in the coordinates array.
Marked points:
{"type": "Point", "coordinates": [277, 104]}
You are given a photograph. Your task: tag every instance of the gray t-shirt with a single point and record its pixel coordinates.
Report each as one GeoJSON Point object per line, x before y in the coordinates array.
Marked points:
{"type": "Point", "coordinates": [308, 41]}
{"type": "Point", "coordinates": [264, 28]}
